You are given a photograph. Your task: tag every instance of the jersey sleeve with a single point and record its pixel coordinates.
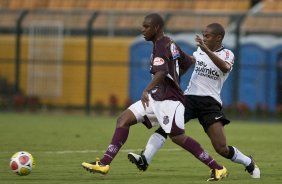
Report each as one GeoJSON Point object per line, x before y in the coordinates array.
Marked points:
{"type": "Point", "coordinates": [228, 57]}
{"type": "Point", "coordinates": [160, 61]}
{"type": "Point", "coordinates": [184, 61]}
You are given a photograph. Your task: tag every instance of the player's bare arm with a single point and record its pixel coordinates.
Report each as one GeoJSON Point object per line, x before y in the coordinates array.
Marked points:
{"type": "Point", "coordinates": [157, 78]}
{"type": "Point", "coordinates": [222, 65]}
{"type": "Point", "coordinates": [191, 60]}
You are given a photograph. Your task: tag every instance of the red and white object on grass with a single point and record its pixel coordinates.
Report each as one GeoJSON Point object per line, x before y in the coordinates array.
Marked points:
{"type": "Point", "coordinates": [22, 163]}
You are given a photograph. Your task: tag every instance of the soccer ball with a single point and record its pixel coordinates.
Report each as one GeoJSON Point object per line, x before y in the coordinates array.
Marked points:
{"type": "Point", "coordinates": [22, 163]}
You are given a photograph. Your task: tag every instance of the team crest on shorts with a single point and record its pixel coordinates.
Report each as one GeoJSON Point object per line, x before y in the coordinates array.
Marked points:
{"type": "Point", "coordinates": [165, 120]}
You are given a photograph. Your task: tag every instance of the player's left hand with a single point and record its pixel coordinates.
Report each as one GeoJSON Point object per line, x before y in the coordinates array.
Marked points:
{"type": "Point", "coordinates": [145, 99]}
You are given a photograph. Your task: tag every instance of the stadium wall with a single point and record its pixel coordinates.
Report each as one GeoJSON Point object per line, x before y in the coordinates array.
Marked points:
{"type": "Point", "coordinates": [109, 69]}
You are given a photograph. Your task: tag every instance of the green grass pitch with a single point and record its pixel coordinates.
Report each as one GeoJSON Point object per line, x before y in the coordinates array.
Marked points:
{"type": "Point", "coordinates": [59, 143]}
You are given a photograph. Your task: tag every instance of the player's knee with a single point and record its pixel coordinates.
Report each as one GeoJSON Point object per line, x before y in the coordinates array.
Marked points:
{"type": "Point", "coordinates": [178, 139]}
{"type": "Point", "coordinates": [120, 121]}
{"type": "Point", "coordinates": [161, 132]}
{"type": "Point", "coordinates": [125, 120]}
{"type": "Point", "coordinates": [174, 139]}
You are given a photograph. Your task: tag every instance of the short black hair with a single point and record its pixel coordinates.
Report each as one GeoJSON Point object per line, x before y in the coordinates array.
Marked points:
{"type": "Point", "coordinates": [217, 29]}
{"type": "Point", "coordinates": [156, 18]}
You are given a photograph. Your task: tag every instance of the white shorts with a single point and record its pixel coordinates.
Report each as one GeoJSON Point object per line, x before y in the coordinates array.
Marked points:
{"type": "Point", "coordinates": [168, 114]}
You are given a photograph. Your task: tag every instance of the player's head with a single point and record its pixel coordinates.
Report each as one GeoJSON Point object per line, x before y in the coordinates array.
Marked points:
{"type": "Point", "coordinates": [152, 27]}
{"type": "Point", "coordinates": [213, 35]}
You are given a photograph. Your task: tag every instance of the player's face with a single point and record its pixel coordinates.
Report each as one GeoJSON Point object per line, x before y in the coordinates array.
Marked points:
{"type": "Point", "coordinates": [149, 30]}
{"type": "Point", "coordinates": [211, 39]}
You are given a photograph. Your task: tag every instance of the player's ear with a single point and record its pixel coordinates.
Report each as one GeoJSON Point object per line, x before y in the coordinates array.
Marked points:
{"type": "Point", "coordinates": [219, 38]}
{"type": "Point", "coordinates": [157, 28]}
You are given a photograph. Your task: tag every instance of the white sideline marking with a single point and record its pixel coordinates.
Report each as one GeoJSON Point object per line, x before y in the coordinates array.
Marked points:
{"type": "Point", "coordinates": [93, 151]}
{"type": "Point", "coordinates": [96, 151]}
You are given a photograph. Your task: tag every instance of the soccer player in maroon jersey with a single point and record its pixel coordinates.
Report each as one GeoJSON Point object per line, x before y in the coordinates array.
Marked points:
{"type": "Point", "coordinates": [161, 102]}
{"type": "Point", "coordinates": [213, 64]}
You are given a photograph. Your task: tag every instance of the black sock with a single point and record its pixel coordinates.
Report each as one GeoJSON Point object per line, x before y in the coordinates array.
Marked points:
{"type": "Point", "coordinates": [161, 132]}
{"type": "Point", "coordinates": [231, 152]}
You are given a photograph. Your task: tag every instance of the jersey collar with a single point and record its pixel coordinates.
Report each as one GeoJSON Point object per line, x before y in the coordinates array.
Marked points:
{"type": "Point", "coordinates": [220, 49]}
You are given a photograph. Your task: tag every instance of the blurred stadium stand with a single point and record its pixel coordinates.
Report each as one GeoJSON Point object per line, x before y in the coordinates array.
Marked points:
{"type": "Point", "coordinates": [165, 5]}
{"type": "Point", "coordinates": [183, 15]}
{"type": "Point", "coordinates": [116, 27]}
{"type": "Point", "coordinates": [114, 17]}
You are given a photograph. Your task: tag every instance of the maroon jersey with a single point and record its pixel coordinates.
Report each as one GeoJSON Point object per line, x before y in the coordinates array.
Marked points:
{"type": "Point", "coordinates": [168, 57]}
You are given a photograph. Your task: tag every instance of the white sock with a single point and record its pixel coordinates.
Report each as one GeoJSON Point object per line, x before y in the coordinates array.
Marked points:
{"type": "Point", "coordinates": [240, 158]}
{"type": "Point", "coordinates": [155, 143]}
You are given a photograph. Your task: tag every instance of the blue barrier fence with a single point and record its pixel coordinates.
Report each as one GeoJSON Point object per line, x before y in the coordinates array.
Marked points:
{"type": "Point", "coordinates": [260, 77]}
